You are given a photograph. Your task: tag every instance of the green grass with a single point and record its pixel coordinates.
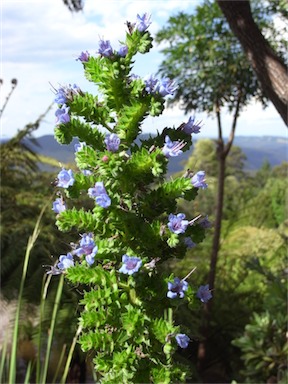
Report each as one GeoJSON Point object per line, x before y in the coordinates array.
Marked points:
{"type": "Point", "coordinates": [38, 368]}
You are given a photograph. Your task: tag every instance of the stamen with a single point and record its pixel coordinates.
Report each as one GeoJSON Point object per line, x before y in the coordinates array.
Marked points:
{"type": "Point", "coordinates": [193, 220]}
{"type": "Point", "coordinates": [189, 274]}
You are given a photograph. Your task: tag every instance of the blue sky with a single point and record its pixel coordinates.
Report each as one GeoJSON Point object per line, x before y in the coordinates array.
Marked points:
{"type": "Point", "coordinates": [41, 40]}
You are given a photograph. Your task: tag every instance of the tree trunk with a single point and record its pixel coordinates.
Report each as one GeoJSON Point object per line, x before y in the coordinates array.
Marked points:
{"type": "Point", "coordinates": [205, 348]}
{"type": "Point", "coordinates": [218, 214]}
{"type": "Point", "coordinates": [269, 68]}
{"type": "Point", "coordinates": [222, 153]}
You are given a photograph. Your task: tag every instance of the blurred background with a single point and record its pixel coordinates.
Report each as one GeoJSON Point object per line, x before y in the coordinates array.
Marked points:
{"type": "Point", "coordinates": [233, 80]}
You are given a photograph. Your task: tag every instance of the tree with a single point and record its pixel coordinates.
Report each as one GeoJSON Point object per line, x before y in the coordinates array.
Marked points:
{"type": "Point", "coordinates": [212, 72]}
{"type": "Point", "coordinates": [269, 66]}
{"type": "Point", "coordinates": [248, 233]}
{"type": "Point", "coordinates": [204, 157]}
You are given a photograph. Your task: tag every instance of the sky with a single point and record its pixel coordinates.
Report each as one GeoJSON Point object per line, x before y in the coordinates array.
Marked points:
{"type": "Point", "coordinates": [41, 39]}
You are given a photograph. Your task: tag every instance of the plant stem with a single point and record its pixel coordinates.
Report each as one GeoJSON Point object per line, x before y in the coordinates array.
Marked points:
{"type": "Point", "coordinates": [69, 358]}
{"type": "Point", "coordinates": [31, 241]}
{"type": "Point", "coordinates": [46, 282]}
{"type": "Point", "coordinates": [52, 327]}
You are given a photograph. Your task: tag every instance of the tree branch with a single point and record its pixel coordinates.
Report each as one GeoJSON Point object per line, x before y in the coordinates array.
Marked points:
{"type": "Point", "coordinates": [218, 115]}
{"type": "Point", "coordinates": [233, 128]}
{"type": "Point", "coordinates": [269, 68]}
{"type": "Point", "coordinates": [14, 84]}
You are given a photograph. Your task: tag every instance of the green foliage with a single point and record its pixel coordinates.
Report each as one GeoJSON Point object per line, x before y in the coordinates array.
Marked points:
{"type": "Point", "coordinates": [204, 156]}
{"type": "Point", "coordinates": [272, 199]}
{"type": "Point", "coordinates": [199, 47]}
{"type": "Point", "coordinates": [252, 252]}
{"type": "Point", "coordinates": [264, 344]}
{"type": "Point", "coordinates": [23, 189]}
{"type": "Point", "coordinates": [28, 337]}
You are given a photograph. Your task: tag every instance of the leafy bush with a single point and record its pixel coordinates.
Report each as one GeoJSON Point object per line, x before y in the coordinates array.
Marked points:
{"type": "Point", "coordinates": [264, 344]}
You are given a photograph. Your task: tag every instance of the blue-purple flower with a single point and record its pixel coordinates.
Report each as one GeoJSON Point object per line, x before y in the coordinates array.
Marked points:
{"type": "Point", "coordinates": [198, 180]}
{"type": "Point", "coordinates": [84, 57]}
{"type": "Point", "coordinates": [162, 87]}
{"type": "Point", "coordinates": [131, 264]}
{"type": "Point", "coordinates": [177, 224]}
{"type": "Point", "coordinates": [66, 93]}
{"type": "Point", "coordinates": [191, 127]}
{"type": "Point", "coordinates": [99, 193]}
{"type": "Point", "coordinates": [62, 115]}
{"type": "Point", "coordinates": [143, 22]}
{"type": "Point", "coordinates": [112, 142]}
{"type": "Point", "coordinates": [189, 243]}
{"type": "Point", "coordinates": [123, 50]}
{"type": "Point", "coordinates": [150, 82]}
{"type": "Point", "coordinates": [86, 172]}
{"type": "Point", "coordinates": [204, 293]}
{"type": "Point", "coordinates": [59, 205]}
{"type": "Point", "coordinates": [177, 288]}
{"type": "Point", "coordinates": [87, 247]}
{"type": "Point", "coordinates": [65, 261]}
{"type": "Point", "coordinates": [105, 48]}
{"type": "Point", "coordinates": [172, 148]}
{"type": "Point", "coordinates": [79, 146]}
{"type": "Point", "coordinates": [165, 87]}
{"type": "Point", "coordinates": [60, 97]}
{"type": "Point", "coordinates": [134, 77]}
{"type": "Point", "coordinates": [65, 178]}
{"type": "Point", "coordinates": [182, 340]}
{"type": "Point", "coordinates": [205, 223]}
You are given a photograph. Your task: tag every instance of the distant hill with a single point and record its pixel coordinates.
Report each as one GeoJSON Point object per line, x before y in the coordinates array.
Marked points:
{"type": "Point", "coordinates": [256, 149]}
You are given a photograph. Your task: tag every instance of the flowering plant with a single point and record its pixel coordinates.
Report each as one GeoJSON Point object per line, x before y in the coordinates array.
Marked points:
{"type": "Point", "coordinates": [128, 301]}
